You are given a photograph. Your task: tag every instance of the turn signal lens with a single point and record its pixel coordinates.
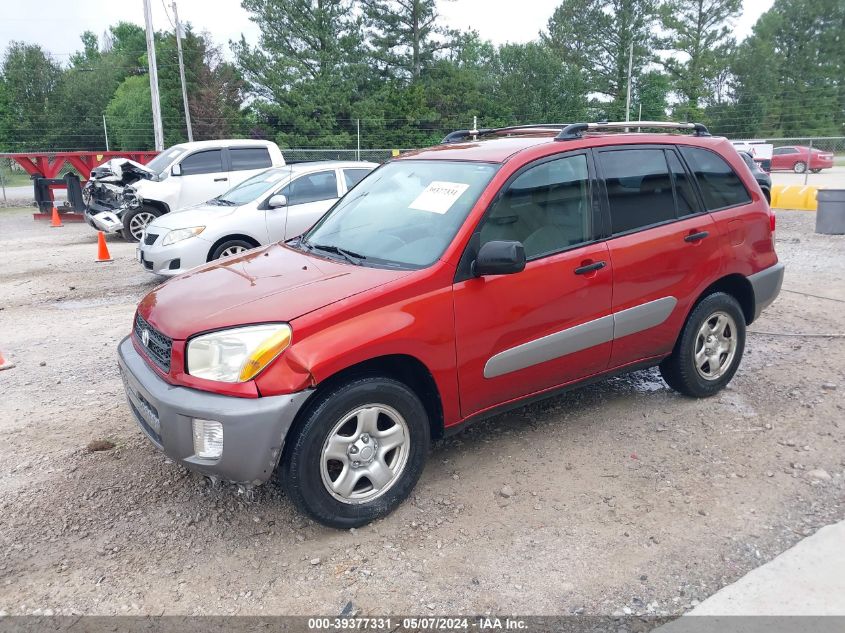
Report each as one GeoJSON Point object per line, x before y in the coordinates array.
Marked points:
{"type": "Point", "coordinates": [264, 353]}
{"type": "Point", "coordinates": [208, 438]}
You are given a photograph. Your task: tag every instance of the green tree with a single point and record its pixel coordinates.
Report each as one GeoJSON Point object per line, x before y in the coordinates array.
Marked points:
{"type": "Point", "coordinates": [700, 31]}
{"type": "Point", "coordinates": [31, 79]}
{"type": "Point", "coordinates": [594, 37]}
{"type": "Point", "coordinates": [788, 73]}
{"type": "Point", "coordinates": [404, 35]}
{"type": "Point", "coordinates": [537, 86]}
{"type": "Point", "coordinates": [308, 68]}
{"type": "Point", "coordinates": [130, 114]}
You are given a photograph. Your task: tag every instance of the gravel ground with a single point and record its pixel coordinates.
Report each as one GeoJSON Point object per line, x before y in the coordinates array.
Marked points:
{"type": "Point", "coordinates": [620, 497]}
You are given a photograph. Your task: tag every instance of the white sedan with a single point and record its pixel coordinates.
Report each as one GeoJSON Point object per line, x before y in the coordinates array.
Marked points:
{"type": "Point", "coordinates": [277, 204]}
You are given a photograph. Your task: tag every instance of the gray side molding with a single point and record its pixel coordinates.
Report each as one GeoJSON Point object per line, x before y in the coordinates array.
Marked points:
{"type": "Point", "coordinates": [549, 347]}
{"type": "Point", "coordinates": [642, 317]}
{"type": "Point", "coordinates": [580, 337]}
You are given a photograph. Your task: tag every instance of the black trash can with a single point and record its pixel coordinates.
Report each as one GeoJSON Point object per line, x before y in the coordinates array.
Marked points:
{"type": "Point", "coordinates": [830, 216]}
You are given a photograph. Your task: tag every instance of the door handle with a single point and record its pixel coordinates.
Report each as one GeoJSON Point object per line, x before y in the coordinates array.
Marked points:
{"type": "Point", "coordinates": [696, 237]}
{"type": "Point", "coordinates": [220, 179]}
{"type": "Point", "coordinates": [589, 268]}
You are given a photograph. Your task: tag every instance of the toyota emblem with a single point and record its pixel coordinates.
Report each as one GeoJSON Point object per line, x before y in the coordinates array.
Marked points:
{"type": "Point", "coordinates": [145, 338]}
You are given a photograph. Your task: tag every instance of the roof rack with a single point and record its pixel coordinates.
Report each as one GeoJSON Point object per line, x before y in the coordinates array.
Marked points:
{"type": "Point", "coordinates": [461, 135]}
{"type": "Point", "coordinates": [573, 131]}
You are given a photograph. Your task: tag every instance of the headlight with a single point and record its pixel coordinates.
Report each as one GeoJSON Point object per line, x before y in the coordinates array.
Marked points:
{"type": "Point", "coordinates": [239, 354]}
{"type": "Point", "coordinates": [181, 234]}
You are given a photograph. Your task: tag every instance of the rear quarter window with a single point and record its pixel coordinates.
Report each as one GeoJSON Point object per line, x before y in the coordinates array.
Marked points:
{"type": "Point", "coordinates": [249, 158]}
{"type": "Point", "coordinates": [720, 186]}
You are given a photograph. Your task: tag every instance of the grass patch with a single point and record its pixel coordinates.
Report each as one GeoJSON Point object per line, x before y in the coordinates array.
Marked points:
{"type": "Point", "coordinates": [14, 177]}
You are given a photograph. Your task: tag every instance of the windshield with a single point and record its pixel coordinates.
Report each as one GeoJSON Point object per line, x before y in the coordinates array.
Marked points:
{"type": "Point", "coordinates": [405, 213]}
{"type": "Point", "coordinates": [163, 160]}
{"type": "Point", "coordinates": [255, 187]}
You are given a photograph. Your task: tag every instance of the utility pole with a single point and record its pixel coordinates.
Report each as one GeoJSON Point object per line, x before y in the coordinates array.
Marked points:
{"type": "Point", "coordinates": [182, 74]}
{"type": "Point", "coordinates": [106, 132]}
{"type": "Point", "coordinates": [158, 134]}
{"type": "Point", "coordinates": [630, 70]}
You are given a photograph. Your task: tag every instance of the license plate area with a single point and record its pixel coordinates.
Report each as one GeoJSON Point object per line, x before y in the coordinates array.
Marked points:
{"type": "Point", "coordinates": [145, 413]}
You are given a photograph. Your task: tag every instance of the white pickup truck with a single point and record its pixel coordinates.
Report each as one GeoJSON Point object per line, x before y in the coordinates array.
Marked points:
{"type": "Point", "coordinates": [123, 196]}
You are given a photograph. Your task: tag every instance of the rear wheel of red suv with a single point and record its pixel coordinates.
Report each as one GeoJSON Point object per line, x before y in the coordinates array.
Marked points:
{"type": "Point", "coordinates": [800, 167]}
{"type": "Point", "coordinates": [709, 349]}
{"type": "Point", "coordinates": [357, 453]}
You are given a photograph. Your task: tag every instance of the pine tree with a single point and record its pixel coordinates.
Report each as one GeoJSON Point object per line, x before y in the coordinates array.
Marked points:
{"type": "Point", "coordinates": [404, 35]}
{"type": "Point", "coordinates": [700, 31]}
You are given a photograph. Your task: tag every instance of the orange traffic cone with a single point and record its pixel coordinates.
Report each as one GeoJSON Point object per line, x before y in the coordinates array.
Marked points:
{"type": "Point", "coordinates": [5, 364]}
{"type": "Point", "coordinates": [102, 250]}
{"type": "Point", "coordinates": [55, 220]}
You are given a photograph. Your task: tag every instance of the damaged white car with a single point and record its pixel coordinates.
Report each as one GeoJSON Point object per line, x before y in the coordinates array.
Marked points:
{"type": "Point", "coordinates": [123, 196]}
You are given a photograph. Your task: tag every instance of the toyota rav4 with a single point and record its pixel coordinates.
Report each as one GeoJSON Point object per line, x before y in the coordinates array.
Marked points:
{"type": "Point", "coordinates": [451, 284]}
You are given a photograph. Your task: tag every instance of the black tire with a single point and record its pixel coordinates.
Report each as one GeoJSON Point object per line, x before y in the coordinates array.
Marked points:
{"type": "Point", "coordinates": [300, 467]}
{"type": "Point", "coordinates": [129, 225]}
{"type": "Point", "coordinates": [800, 167]}
{"type": "Point", "coordinates": [233, 244]}
{"type": "Point", "coordinates": [679, 370]}
{"type": "Point", "coordinates": [816, 170]}
{"type": "Point", "coordinates": [767, 195]}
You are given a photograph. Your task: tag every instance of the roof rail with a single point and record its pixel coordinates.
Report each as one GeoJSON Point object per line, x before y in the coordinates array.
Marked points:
{"type": "Point", "coordinates": [462, 135]}
{"type": "Point", "coordinates": [573, 131]}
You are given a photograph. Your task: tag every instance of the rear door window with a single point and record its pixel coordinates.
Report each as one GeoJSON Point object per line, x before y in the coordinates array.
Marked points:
{"type": "Point", "coordinates": [244, 158]}
{"type": "Point", "coordinates": [209, 162]}
{"type": "Point", "coordinates": [354, 176]}
{"type": "Point", "coordinates": [719, 184]}
{"type": "Point", "coordinates": [685, 200]}
{"type": "Point", "coordinates": [321, 185]}
{"type": "Point", "coordinates": [639, 188]}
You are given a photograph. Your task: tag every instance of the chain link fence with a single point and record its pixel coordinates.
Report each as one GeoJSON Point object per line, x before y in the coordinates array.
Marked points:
{"type": "Point", "coordinates": [300, 155]}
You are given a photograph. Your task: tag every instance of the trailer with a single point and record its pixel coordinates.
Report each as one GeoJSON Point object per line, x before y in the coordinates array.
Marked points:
{"type": "Point", "coordinates": [45, 167]}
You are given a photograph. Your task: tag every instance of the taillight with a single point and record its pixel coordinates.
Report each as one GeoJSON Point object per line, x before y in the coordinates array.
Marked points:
{"type": "Point", "coordinates": [772, 221]}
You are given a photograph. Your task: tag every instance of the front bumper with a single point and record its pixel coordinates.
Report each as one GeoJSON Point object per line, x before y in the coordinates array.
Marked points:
{"type": "Point", "coordinates": [174, 259]}
{"type": "Point", "coordinates": [766, 286]}
{"type": "Point", "coordinates": [254, 429]}
{"type": "Point", "coordinates": [106, 220]}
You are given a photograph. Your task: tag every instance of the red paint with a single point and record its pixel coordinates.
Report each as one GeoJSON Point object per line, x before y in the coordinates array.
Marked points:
{"type": "Point", "coordinates": [50, 164]}
{"type": "Point", "coordinates": [342, 314]}
{"type": "Point", "coordinates": [812, 158]}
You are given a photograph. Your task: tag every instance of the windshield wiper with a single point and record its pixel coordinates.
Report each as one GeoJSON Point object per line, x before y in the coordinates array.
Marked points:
{"type": "Point", "coordinates": [226, 203]}
{"type": "Point", "coordinates": [351, 256]}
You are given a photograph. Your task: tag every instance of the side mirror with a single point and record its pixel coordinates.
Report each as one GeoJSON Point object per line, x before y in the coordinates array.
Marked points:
{"type": "Point", "coordinates": [279, 200]}
{"type": "Point", "coordinates": [176, 170]}
{"type": "Point", "coordinates": [499, 258]}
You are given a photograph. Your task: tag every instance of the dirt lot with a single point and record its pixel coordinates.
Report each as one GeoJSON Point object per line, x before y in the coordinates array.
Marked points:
{"type": "Point", "coordinates": [621, 497]}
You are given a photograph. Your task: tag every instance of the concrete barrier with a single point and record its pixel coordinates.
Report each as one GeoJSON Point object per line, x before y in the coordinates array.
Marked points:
{"type": "Point", "coordinates": [801, 197]}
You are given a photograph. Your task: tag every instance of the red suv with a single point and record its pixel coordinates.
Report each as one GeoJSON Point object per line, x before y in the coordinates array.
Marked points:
{"type": "Point", "coordinates": [799, 159]}
{"type": "Point", "coordinates": [449, 285]}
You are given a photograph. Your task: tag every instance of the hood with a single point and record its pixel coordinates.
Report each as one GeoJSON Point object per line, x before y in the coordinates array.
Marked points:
{"type": "Point", "coordinates": [273, 283]}
{"type": "Point", "coordinates": [198, 215]}
{"type": "Point", "coordinates": [121, 171]}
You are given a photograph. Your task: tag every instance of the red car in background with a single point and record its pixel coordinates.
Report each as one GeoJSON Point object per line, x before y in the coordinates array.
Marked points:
{"type": "Point", "coordinates": [798, 158]}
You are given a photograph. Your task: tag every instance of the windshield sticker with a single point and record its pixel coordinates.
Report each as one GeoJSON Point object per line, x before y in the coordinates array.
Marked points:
{"type": "Point", "coordinates": [439, 196]}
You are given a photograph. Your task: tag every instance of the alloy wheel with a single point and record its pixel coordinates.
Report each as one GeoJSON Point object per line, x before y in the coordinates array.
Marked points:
{"type": "Point", "coordinates": [139, 222]}
{"type": "Point", "coordinates": [715, 346]}
{"type": "Point", "coordinates": [232, 250]}
{"type": "Point", "coordinates": [365, 454]}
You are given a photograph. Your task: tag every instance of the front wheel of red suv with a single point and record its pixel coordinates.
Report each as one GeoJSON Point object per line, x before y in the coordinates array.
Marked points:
{"type": "Point", "coordinates": [357, 453]}
{"type": "Point", "coordinates": [709, 349]}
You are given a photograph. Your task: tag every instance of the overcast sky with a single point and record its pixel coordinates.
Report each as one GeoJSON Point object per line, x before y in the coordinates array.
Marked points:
{"type": "Point", "coordinates": [56, 24]}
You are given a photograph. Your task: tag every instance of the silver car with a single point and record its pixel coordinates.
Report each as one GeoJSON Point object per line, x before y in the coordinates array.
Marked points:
{"type": "Point", "coordinates": [277, 204]}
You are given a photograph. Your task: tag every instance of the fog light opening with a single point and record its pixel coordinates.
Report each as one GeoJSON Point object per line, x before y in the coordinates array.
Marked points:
{"type": "Point", "coordinates": [208, 438]}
